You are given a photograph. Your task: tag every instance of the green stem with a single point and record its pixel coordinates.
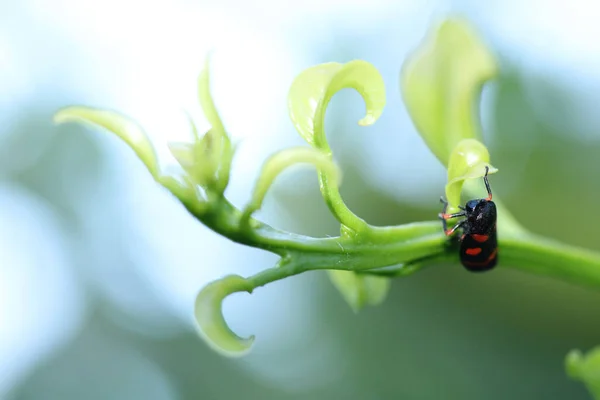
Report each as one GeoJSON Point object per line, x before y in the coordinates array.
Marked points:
{"type": "Point", "coordinates": [542, 256]}
{"type": "Point", "coordinates": [409, 268]}
{"type": "Point", "coordinates": [338, 208]}
{"type": "Point", "coordinates": [388, 251]}
{"type": "Point", "coordinates": [363, 263]}
{"type": "Point", "coordinates": [397, 250]}
{"type": "Point", "coordinates": [283, 270]}
{"type": "Point", "coordinates": [226, 220]}
{"type": "Point", "coordinates": [528, 253]}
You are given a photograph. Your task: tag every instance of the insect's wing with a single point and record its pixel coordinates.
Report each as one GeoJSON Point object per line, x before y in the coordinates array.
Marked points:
{"type": "Point", "coordinates": [479, 253]}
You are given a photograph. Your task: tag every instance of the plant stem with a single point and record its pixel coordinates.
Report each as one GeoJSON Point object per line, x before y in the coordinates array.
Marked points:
{"type": "Point", "coordinates": [387, 251]}
{"type": "Point", "coordinates": [225, 219]}
{"type": "Point", "coordinates": [542, 256]}
{"type": "Point", "coordinates": [336, 205]}
{"type": "Point", "coordinates": [397, 250]}
{"type": "Point", "coordinates": [529, 253]}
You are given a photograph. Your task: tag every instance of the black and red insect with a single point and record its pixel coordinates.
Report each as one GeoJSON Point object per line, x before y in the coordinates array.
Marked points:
{"type": "Point", "coordinates": [479, 242]}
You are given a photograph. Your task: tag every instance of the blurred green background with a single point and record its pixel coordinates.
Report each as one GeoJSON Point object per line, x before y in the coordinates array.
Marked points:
{"type": "Point", "coordinates": [100, 266]}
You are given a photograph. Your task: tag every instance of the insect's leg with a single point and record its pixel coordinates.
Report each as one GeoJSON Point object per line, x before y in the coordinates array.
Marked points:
{"type": "Point", "coordinates": [450, 231]}
{"type": "Point", "coordinates": [445, 203]}
{"type": "Point", "coordinates": [444, 224]}
{"type": "Point", "coordinates": [444, 217]}
{"type": "Point", "coordinates": [487, 183]}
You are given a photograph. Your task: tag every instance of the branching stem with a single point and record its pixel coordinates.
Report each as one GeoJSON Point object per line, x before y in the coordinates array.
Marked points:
{"type": "Point", "coordinates": [395, 251]}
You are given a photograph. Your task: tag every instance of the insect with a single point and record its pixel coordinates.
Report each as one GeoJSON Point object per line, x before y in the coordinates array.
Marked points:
{"type": "Point", "coordinates": [479, 242]}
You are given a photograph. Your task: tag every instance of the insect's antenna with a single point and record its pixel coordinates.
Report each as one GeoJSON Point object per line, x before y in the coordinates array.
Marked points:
{"type": "Point", "coordinates": [487, 183]}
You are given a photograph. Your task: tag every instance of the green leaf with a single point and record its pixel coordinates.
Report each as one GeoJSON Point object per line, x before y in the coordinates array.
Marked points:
{"type": "Point", "coordinates": [206, 161]}
{"type": "Point", "coordinates": [215, 146]}
{"type": "Point", "coordinates": [308, 98]}
{"type": "Point", "coordinates": [275, 164]}
{"type": "Point", "coordinates": [183, 153]}
{"type": "Point", "coordinates": [222, 152]}
{"type": "Point", "coordinates": [130, 132]}
{"type": "Point", "coordinates": [193, 127]}
{"type": "Point", "coordinates": [441, 83]}
{"type": "Point", "coordinates": [206, 100]}
{"type": "Point", "coordinates": [312, 90]}
{"type": "Point", "coordinates": [585, 368]}
{"type": "Point", "coordinates": [209, 316]}
{"type": "Point", "coordinates": [467, 161]}
{"type": "Point", "coordinates": [358, 289]}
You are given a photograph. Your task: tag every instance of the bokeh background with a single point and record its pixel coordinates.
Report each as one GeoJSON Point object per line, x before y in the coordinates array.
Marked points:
{"type": "Point", "coordinates": [99, 266]}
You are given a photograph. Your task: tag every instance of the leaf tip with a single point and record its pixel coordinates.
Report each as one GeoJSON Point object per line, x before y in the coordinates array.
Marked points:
{"type": "Point", "coordinates": [441, 83]}
{"type": "Point", "coordinates": [210, 322]}
{"type": "Point", "coordinates": [369, 119]}
{"type": "Point", "coordinates": [123, 127]}
{"type": "Point", "coordinates": [313, 88]}
{"type": "Point", "coordinates": [62, 116]}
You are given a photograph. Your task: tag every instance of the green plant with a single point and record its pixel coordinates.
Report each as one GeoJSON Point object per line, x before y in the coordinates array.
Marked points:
{"type": "Point", "coordinates": [440, 83]}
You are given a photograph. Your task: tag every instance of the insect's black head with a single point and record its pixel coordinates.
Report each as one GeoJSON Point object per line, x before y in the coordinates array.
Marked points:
{"type": "Point", "coordinates": [472, 206]}
{"type": "Point", "coordinates": [481, 214]}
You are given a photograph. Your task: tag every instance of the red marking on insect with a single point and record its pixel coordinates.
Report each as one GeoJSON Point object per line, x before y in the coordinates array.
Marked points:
{"type": "Point", "coordinates": [482, 263]}
{"type": "Point", "coordinates": [480, 238]}
{"type": "Point", "coordinates": [473, 251]}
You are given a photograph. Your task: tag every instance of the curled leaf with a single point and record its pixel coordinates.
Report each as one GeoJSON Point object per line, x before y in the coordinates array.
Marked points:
{"type": "Point", "coordinates": [209, 316]}
{"type": "Point", "coordinates": [467, 161]}
{"type": "Point", "coordinates": [359, 290]}
{"type": "Point", "coordinates": [585, 368]}
{"type": "Point", "coordinates": [275, 164]}
{"type": "Point", "coordinates": [308, 98]}
{"type": "Point", "coordinates": [312, 90]}
{"type": "Point", "coordinates": [130, 132]}
{"type": "Point", "coordinates": [441, 83]}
